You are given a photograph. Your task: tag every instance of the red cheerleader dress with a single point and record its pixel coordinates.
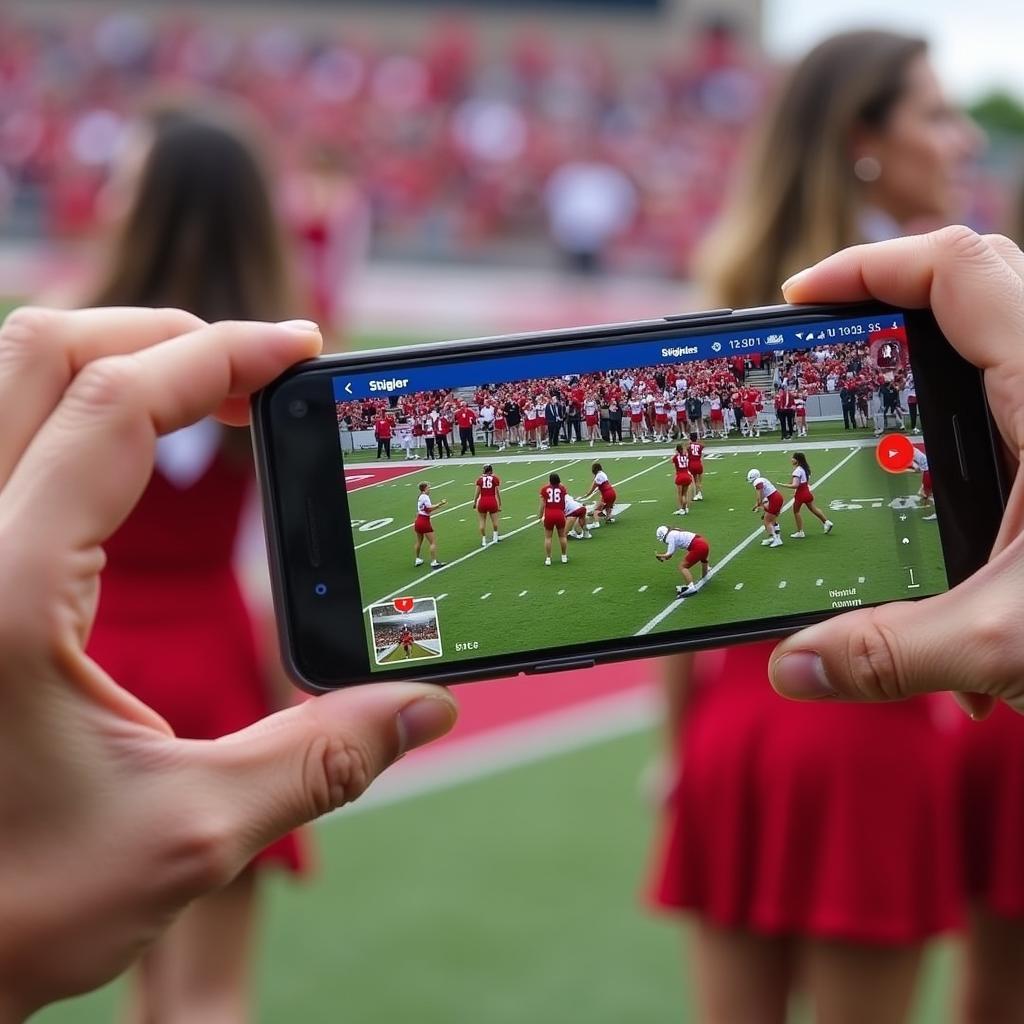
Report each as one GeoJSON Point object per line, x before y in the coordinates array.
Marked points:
{"type": "Point", "coordinates": [172, 627]}
{"type": "Point", "coordinates": [831, 821]}
{"type": "Point", "coordinates": [992, 817]}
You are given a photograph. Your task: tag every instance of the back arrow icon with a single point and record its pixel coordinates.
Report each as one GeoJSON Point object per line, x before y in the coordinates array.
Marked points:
{"type": "Point", "coordinates": [348, 387]}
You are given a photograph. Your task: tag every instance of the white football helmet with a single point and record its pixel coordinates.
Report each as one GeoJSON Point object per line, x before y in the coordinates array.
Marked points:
{"type": "Point", "coordinates": [753, 475]}
{"type": "Point", "coordinates": [661, 533]}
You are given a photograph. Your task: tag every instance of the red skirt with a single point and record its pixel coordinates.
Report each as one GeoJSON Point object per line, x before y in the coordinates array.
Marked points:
{"type": "Point", "coordinates": [993, 811]}
{"type": "Point", "coordinates": [422, 525]}
{"type": "Point", "coordinates": [822, 820]}
{"type": "Point", "coordinates": [184, 645]}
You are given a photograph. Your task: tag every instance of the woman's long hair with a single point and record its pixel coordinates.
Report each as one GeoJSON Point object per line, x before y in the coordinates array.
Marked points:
{"type": "Point", "coordinates": [801, 461]}
{"type": "Point", "coordinates": [200, 231]}
{"type": "Point", "coordinates": [798, 198]}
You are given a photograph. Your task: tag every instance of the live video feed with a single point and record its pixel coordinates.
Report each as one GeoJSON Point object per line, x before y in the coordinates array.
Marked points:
{"type": "Point", "coordinates": [570, 507]}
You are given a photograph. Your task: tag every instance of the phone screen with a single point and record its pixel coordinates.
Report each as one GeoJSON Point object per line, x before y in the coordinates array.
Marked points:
{"type": "Point", "coordinates": [546, 499]}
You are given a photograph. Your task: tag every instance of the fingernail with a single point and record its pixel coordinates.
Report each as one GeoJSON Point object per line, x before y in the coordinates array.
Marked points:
{"type": "Point", "coordinates": [300, 325]}
{"type": "Point", "coordinates": [789, 282]}
{"type": "Point", "coordinates": [801, 676]}
{"type": "Point", "coordinates": [424, 720]}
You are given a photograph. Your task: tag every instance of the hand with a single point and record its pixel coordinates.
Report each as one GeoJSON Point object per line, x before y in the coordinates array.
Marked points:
{"type": "Point", "coordinates": [110, 825]}
{"type": "Point", "coordinates": [968, 639]}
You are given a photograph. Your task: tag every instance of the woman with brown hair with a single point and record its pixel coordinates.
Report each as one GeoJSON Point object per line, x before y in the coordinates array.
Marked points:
{"type": "Point", "coordinates": [791, 829]}
{"type": "Point", "coordinates": [197, 230]}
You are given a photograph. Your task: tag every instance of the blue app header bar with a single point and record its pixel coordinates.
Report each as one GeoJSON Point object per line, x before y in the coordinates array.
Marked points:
{"type": "Point", "coordinates": [591, 357]}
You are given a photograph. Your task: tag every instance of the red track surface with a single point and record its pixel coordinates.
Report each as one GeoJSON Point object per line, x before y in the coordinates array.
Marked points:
{"type": "Point", "coordinates": [499, 702]}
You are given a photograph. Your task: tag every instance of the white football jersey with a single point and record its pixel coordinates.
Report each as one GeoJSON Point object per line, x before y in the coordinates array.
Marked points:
{"type": "Point", "coordinates": [799, 475]}
{"type": "Point", "coordinates": [601, 478]}
{"type": "Point", "coordinates": [571, 505]}
{"type": "Point", "coordinates": [764, 487]}
{"type": "Point", "coordinates": [423, 505]}
{"type": "Point", "coordinates": [677, 539]}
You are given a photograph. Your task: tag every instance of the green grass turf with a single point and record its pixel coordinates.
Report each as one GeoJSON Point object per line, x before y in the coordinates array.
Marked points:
{"type": "Point", "coordinates": [504, 598]}
{"type": "Point", "coordinates": [418, 651]}
{"type": "Point", "coordinates": [511, 898]}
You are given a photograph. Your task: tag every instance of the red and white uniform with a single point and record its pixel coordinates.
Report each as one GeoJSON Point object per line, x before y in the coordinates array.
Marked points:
{"type": "Point", "coordinates": [575, 509]}
{"type": "Point", "coordinates": [803, 490]}
{"type": "Point", "coordinates": [769, 495]}
{"type": "Point", "coordinates": [636, 410]}
{"type": "Point", "coordinates": [423, 510]}
{"type": "Point", "coordinates": [590, 411]}
{"type": "Point", "coordinates": [716, 409]}
{"type": "Point", "coordinates": [695, 451]}
{"type": "Point", "coordinates": [695, 546]}
{"type": "Point", "coordinates": [604, 486]}
{"type": "Point", "coordinates": [681, 411]}
{"type": "Point", "coordinates": [554, 496]}
{"type": "Point", "coordinates": [801, 411]}
{"type": "Point", "coordinates": [920, 463]}
{"type": "Point", "coordinates": [660, 412]}
{"type": "Point", "coordinates": [748, 409]}
{"type": "Point", "coordinates": [682, 467]}
{"type": "Point", "coordinates": [172, 626]}
{"type": "Point", "coordinates": [488, 485]}
{"type": "Point", "coordinates": [530, 416]}
{"type": "Point", "coordinates": [405, 639]}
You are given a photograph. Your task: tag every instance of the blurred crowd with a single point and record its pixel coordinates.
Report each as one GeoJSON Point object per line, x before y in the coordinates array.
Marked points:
{"type": "Point", "coordinates": [456, 151]}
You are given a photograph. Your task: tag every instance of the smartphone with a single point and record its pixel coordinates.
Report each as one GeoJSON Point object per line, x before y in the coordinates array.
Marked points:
{"type": "Point", "coordinates": [418, 500]}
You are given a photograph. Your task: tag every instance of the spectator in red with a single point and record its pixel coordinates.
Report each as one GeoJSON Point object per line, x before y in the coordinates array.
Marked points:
{"type": "Point", "coordinates": [465, 418]}
{"type": "Point", "coordinates": [442, 428]}
{"type": "Point", "coordinates": [382, 432]}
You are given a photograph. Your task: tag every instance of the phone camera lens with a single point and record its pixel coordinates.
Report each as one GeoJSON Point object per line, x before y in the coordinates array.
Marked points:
{"type": "Point", "coordinates": [298, 408]}
{"type": "Point", "coordinates": [320, 590]}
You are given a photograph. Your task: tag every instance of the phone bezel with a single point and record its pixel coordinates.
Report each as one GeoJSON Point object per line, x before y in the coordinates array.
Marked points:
{"type": "Point", "coordinates": [301, 474]}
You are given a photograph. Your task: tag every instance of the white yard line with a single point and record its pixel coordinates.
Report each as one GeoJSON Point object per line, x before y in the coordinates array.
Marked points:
{"type": "Point", "coordinates": [759, 532]}
{"type": "Point", "coordinates": [457, 762]}
{"type": "Point", "coordinates": [602, 454]}
{"type": "Point", "coordinates": [465, 504]}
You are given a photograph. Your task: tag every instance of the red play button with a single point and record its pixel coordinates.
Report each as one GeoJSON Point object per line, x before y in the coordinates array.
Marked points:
{"type": "Point", "coordinates": [895, 453]}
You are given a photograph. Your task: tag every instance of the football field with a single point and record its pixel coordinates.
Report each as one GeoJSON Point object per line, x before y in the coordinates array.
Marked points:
{"type": "Point", "coordinates": [498, 599]}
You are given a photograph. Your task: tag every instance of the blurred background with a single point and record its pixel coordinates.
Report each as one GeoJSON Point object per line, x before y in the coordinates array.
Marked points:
{"type": "Point", "coordinates": [446, 170]}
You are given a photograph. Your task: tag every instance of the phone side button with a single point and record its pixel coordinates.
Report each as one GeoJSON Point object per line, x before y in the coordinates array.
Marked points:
{"type": "Point", "coordinates": [959, 442]}
{"type": "Point", "coordinates": [676, 317]}
{"type": "Point", "coordinates": [560, 666]}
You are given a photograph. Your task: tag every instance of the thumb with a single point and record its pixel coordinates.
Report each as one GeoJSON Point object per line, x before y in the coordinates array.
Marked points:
{"type": "Point", "coordinates": [301, 763]}
{"type": "Point", "coordinates": [886, 653]}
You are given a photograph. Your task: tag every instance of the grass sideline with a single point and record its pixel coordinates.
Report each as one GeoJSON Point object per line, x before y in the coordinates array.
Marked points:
{"type": "Point", "coordinates": [511, 898]}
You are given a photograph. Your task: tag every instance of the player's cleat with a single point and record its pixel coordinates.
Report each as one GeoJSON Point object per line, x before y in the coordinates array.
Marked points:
{"type": "Point", "coordinates": [565, 558]}
{"type": "Point", "coordinates": [498, 538]}
{"type": "Point", "coordinates": [596, 526]}
{"type": "Point", "coordinates": [777, 543]}
{"type": "Point", "coordinates": [483, 542]}
{"type": "Point", "coordinates": [547, 561]}
{"type": "Point", "coordinates": [926, 519]}
{"type": "Point", "coordinates": [698, 497]}
{"type": "Point", "coordinates": [437, 565]}
{"type": "Point", "coordinates": [799, 535]}
{"type": "Point", "coordinates": [828, 525]}
{"type": "Point", "coordinates": [419, 561]}
{"type": "Point", "coordinates": [767, 541]}
{"type": "Point", "coordinates": [588, 536]}
{"type": "Point", "coordinates": [686, 591]}
{"type": "Point", "coordinates": [679, 512]}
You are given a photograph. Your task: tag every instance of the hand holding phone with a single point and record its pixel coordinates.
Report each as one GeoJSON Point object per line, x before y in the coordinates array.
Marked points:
{"type": "Point", "coordinates": [969, 638]}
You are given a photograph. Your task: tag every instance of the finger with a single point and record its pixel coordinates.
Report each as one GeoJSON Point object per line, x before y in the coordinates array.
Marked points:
{"type": "Point", "coordinates": [90, 461]}
{"type": "Point", "coordinates": [42, 349]}
{"type": "Point", "coordinates": [900, 650]}
{"type": "Point", "coordinates": [313, 758]}
{"type": "Point", "coordinates": [977, 297]}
